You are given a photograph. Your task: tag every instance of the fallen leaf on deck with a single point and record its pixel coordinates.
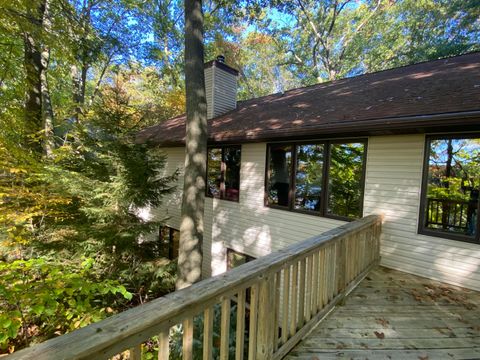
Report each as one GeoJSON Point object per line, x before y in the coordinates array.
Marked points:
{"type": "Point", "coordinates": [379, 335]}
{"type": "Point", "coordinates": [382, 321]}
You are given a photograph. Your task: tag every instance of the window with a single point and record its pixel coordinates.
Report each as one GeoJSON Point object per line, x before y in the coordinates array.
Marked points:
{"type": "Point", "coordinates": [235, 258]}
{"type": "Point", "coordinates": [323, 178]}
{"type": "Point", "coordinates": [223, 172]}
{"type": "Point", "coordinates": [450, 189]}
{"type": "Point", "coordinates": [170, 241]}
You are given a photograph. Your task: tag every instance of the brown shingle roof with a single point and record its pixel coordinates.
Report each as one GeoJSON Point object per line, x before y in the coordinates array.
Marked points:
{"type": "Point", "coordinates": [416, 96]}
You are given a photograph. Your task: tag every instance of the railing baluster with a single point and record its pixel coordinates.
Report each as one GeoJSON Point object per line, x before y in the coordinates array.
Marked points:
{"type": "Point", "coordinates": [349, 257]}
{"type": "Point", "coordinates": [136, 352]}
{"type": "Point", "coordinates": [278, 285]}
{"type": "Point", "coordinates": [252, 336]}
{"type": "Point", "coordinates": [208, 334]}
{"type": "Point", "coordinates": [293, 309]}
{"type": "Point", "coordinates": [314, 303]}
{"type": "Point", "coordinates": [164, 345]}
{"type": "Point", "coordinates": [225, 329]}
{"type": "Point", "coordinates": [308, 289]}
{"type": "Point", "coordinates": [187, 346]}
{"type": "Point", "coordinates": [301, 294]}
{"type": "Point", "coordinates": [331, 271]}
{"type": "Point", "coordinates": [323, 283]}
{"type": "Point", "coordinates": [286, 303]}
{"type": "Point", "coordinates": [240, 336]}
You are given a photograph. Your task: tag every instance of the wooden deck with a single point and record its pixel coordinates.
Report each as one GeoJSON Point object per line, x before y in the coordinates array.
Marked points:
{"type": "Point", "coordinates": [395, 315]}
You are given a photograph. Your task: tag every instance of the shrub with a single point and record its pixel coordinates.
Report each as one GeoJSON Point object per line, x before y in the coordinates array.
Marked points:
{"type": "Point", "coordinates": [40, 299]}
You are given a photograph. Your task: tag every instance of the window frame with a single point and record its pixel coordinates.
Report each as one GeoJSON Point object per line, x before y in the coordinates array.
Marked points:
{"type": "Point", "coordinates": [222, 172]}
{"type": "Point", "coordinates": [422, 229]}
{"type": "Point", "coordinates": [325, 176]}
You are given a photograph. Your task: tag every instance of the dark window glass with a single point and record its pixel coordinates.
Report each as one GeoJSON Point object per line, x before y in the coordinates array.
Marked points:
{"type": "Point", "coordinates": [170, 241]}
{"type": "Point", "coordinates": [309, 177]}
{"type": "Point", "coordinates": [232, 173]}
{"type": "Point", "coordinates": [223, 172]}
{"type": "Point", "coordinates": [279, 174]}
{"type": "Point", "coordinates": [214, 172]}
{"type": "Point", "coordinates": [452, 186]}
{"type": "Point", "coordinates": [345, 179]}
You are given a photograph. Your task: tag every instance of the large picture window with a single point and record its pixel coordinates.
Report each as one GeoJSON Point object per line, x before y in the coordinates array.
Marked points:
{"type": "Point", "coordinates": [223, 172]}
{"type": "Point", "coordinates": [451, 184]}
{"type": "Point", "coordinates": [323, 178]}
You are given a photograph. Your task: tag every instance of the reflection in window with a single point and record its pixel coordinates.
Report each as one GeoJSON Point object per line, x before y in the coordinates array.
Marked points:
{"type": "Point", "coordinates": [279, 170]}
{"type": "Point", "coordinates": [223, 172]}
{"type": "Point", "coordinates": [170, 241]}
{"type": "Point", "coordinates": [214, 172]}
{"type": "Point", "coordinates": [232, 172]}
{"type": "Point", "coordinates": [298, 177]}
{"type": "Point", "coordinates": [452, 186]}
{"type": "Point", "coordinates": [309, 177]}
{"type": "Point", "coordinates": [345, 176]}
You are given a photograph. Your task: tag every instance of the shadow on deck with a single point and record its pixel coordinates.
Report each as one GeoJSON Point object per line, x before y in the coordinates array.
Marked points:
{"type": "Point", "coordinates": [395, 315]}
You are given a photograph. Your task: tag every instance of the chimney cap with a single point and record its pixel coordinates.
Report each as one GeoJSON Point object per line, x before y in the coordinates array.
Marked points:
{"type": "Point", "coordinates": [219, 62]}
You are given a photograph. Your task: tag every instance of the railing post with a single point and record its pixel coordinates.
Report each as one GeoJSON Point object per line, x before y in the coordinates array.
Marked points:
{"type": "Point", "coordinates": [266, 317]}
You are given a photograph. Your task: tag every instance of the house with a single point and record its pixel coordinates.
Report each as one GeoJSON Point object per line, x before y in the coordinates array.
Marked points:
{"type": "Point", "coordinates": [403, 142]}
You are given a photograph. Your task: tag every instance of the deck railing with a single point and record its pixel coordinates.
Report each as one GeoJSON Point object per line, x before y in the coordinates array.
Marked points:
{"type": "Point", "coordinates": [277, 300]}
{"type": "Point", "coordinates": [450, 214]}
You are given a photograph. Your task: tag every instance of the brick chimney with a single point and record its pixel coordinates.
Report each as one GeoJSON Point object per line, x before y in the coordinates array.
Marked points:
{"type": "Point", "coordinates": [220, 87]}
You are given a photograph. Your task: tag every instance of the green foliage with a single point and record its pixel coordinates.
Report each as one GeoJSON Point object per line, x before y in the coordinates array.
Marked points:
{"type": "Point", "coordinates": [40, 299]}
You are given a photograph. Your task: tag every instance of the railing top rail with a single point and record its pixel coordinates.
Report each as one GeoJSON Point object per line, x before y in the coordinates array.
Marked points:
{"type": "Point", "coordinates": [134, 325]}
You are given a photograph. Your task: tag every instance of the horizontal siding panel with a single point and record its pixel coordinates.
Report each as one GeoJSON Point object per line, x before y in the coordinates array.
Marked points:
{"type": "Point", "coordinates": [394, 168]}
{"type": "Point", "coordinates": [377, 173]}
{"type": "Point", "coordinates": [380, 195]}
{"type": "Point", "coordinates": [433, 243]}
{"type": "Point", "coordinates": [383, 179]}
{"type": "Point", "coordinates": [398, 139]}
{"type": "Point", "coordinates": [426, 254]}
{"type": "Point", "coordinates": [393, 203]}
{"type": "Point", "coordinates": [443, 276]}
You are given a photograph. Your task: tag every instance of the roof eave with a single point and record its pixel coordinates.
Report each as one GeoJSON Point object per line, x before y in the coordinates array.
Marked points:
{"type": "Point", "coordinates": [468, 120]}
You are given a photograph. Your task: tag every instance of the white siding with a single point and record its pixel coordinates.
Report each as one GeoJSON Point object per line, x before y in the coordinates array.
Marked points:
{"type": "Point", "coordinates": [393, 183]}
{"type": "Point", "coordinates": [393, 187]}
{"type": "Point", "coordinates": [169, 210]}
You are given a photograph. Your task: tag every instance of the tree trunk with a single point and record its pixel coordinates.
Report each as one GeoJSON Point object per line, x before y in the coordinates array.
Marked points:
{"type": "Point", "coordinates": [33, 102]}
{"type": "Point", "coordinates": [191, 227]}
{"type": "Point", "coordinates": [33, 70]}
{"type": "Point", "coordinates": [76, 91]}
{"type": "Point", "coordinates": [48, 116]}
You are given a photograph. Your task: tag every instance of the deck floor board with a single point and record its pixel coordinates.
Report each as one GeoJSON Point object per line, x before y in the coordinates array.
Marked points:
{"type": "Point", "coordinates": [395, 315]}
